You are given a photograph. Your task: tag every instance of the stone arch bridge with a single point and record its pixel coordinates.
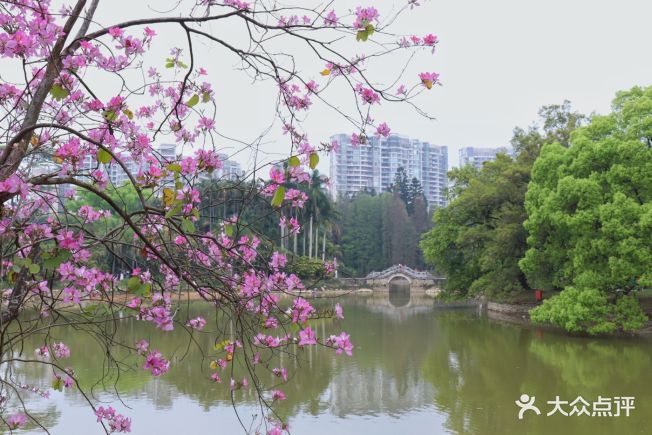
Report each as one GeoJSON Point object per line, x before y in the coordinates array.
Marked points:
{"type": "Point", "coordinates": [416, 278]}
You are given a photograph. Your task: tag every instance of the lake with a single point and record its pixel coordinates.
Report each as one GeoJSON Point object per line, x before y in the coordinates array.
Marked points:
{"type": "Point", "coordinates": [417, 368]}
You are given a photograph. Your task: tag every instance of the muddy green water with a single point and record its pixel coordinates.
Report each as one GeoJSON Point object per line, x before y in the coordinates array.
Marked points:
{"type": "Point", "coordinates": [417, 369]}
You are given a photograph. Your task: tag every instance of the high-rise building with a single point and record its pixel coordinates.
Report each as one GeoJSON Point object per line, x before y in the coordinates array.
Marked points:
{"type": "Point", "coordinates": [165, 153]}
{"type": "Point", "coordinates": [477, 156]}
{"type": "Point", "coordinates": [230, 170]}
{"type": "Point", "coordinates": [372, 166]}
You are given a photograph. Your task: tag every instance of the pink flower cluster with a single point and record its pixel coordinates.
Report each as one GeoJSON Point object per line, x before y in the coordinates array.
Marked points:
{"type": "Point", "coordinates": [364, 16]}
{"type": "Point", "coordinates": [156, 364]}
{"type": "Point", "coordinates": [342, 343]}
{"type": "Point", "coordinates": [61, 350]}
{"type": "Point", "coordinates": [428, 79]}
{"type": "Point", "coordinates": [368, 95]}
{"type": "Point", "coordinates": [383, 130]}
{"type": "Point", "coordinates": [197, 323]}
{"type": "Point", "coordinates": [117, 422]}
{"type": "Point", "coordinates": [15, 421]}
{"type": "Point", "coordinates": [238, 4]}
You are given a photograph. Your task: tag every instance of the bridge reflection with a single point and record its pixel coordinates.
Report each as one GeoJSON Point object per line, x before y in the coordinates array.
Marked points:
{"type": "Point", "coordinates": [399, 292]}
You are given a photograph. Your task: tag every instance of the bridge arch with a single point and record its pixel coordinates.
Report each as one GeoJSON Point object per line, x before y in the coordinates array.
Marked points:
{"type": "Point", "coordinates": [399, 275]}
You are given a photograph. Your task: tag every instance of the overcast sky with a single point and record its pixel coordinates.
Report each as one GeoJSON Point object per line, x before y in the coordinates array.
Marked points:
{"type": "Point", "coordinates": [499, 62]}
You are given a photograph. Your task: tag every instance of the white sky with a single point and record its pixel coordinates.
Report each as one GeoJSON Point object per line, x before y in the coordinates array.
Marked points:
{"type": "Point", "coordinates": [499, 61]}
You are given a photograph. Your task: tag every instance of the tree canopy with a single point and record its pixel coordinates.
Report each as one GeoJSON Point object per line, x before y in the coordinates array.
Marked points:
{"type": "Point", "coordinates": [478, 240]}
{"type": "Point", "coordinates": [590, 219]}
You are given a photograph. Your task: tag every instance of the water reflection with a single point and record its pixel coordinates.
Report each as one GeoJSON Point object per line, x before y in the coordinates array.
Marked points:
{"type": "Point", "coordinates": [399, 293]}
{"type": "Point", "coordinates": [416, 369]}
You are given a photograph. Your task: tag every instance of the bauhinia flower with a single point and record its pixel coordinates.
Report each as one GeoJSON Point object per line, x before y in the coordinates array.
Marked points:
{"type": "Point", "coordinates": [428, 79]}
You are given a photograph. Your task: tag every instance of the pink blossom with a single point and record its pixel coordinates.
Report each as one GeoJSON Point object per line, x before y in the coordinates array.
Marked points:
{"type": "Point", "coordinates": [280, 373]}
{"type": "Point", "coordinates": [156, 364]}
{"type": "Point", "coordinates": [15, 421]}
{"type": "Point", "coordinates": [117, 422]}
{"type": "Point", "coordinates": [307, 337]}
{"type": "Point", "coordinates": [368, 95]}
{"type": "Point", "coordinates": [364, 16]}
{"type": "Point", "coordinates": [197, 323]}
{"type": "Point", "coordinates": [216, 378]}
{"type": "Point", "coordinates": [383, 130]}
{"type": "Point", "coordinates": [339, 313]}
{"type": "Point", "coordinates": [331, 19]}
{"type": "Point", "coordinates": [278, 395]}
{"type": "Point", "coordinates": [142, 346]}
{"type": "Point", "coordinates": [276, 175]}
{"type": "Point", "coordinates": [301, 310]}
{"type": "Point", "coordinates": [429, 79]}
{"type": "Point", "coordinates": [61, 350]}
{"type": "Point", "coordinates": [342, 343]}
{"type": "Point", "coordinates": [278, 260]}
{"type": "Point", "coordinates": [206, 124]}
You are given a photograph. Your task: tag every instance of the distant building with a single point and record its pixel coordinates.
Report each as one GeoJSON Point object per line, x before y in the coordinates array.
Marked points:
{"type": "Point", "coordinates": [165, 153]}
{"type": "Point", "coordinates": [477, 156]}
{"type": "Point", "coordinates": [230, 170]}
{"type": "Point", "coordinates": [373, 165]}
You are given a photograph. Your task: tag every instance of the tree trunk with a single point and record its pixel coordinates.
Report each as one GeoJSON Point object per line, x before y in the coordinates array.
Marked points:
{"type": "Point", "coordinates": [295, 244]}
{"type": "Point", "coordinates": [323, 248]}
{"type": "Point", "coordinates": [316, 241]}
{"type": "Point", "coordinates": [310, 240]}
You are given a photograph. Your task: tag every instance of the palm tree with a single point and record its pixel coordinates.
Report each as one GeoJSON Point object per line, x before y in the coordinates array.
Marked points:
{"type": "Point", "coordinates": [320, 211]}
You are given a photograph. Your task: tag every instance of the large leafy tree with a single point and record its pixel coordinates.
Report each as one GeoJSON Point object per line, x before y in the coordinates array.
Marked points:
{"type": "Point", "coordinates": [478, 240]}
{"type": "Point", "coordinates": [93, 98]}
{"type": "Point", "coordinates": [590, 219]}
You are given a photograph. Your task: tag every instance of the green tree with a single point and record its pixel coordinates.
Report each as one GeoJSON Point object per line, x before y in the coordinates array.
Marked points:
{"type": "Point", "coordinates": [478, 240]}
{"type": "Point", "coordinates": [590, 219]}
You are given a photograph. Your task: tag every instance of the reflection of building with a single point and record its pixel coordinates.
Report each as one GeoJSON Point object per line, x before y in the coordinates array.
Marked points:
{"type": "Point", "coordinates": [373, 165]}
{"type": "Point", "coordinates": [477, 156]}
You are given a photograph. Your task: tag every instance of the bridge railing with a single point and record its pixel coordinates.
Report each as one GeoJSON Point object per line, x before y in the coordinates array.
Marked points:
{"type": "Point", "coordinates": [405, 270]}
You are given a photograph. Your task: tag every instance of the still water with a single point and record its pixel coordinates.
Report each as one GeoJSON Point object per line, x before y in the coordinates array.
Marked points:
{"type": "Point", "coordinates": [417, 368]}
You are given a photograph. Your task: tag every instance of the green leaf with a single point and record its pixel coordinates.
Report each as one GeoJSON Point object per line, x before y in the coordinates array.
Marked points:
{"type": "Point", "coordinates": [294, 161]}
{"type": "Point", "coordinates": [34, 269]}
{"type": "Point", "coordinates": [55, 262]}
{"type": "Point", "coordinates": [187, 225]}
{"type": "Point", "coordinates": [279, 195]}
{"type": "Point", "coordinates": [110, 115]}
{"type": "Point", "coordinates": [314, 160]}
{"type": "Point", "coordinates": [173, 211]}
{"type": "Point", "coordinates": [103, 156]}
{"type": "Point", "coordinates": [182, 65]}
{"type": "Point", "coordinates": [174, 167]}
{"type": "Point", "coordinates": [228, 230]}
{"type": "Point", "coordinates": [57, 384]}
{"type": "Point", "coordinates": [134, 283]}
{"type": "Point", "coordinates": [193, 101]}
{"type": "Point", "coordinates": [58, 92]}
{"type": "Point", "coordinates": [205, 97]}
{"type": "Point", "coordinates": [364, 34]}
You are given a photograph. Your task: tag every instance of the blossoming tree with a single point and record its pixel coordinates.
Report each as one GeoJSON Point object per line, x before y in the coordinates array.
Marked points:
{"type": "Point", "coordinates": [66, 123]}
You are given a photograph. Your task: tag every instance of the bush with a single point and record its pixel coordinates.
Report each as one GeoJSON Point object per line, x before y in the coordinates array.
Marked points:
{"type": "Point", "coordinates": [306, 268]}
{"type": "Point", "coordinates": [590, 311]}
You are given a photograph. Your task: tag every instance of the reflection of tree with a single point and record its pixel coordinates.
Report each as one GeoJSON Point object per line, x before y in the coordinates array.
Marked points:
{"type": "Point", "coordinates": [569, 357]}
{"type": "Point", "coordinates": [479, 369]}
{"type": "Point", "coordinates": [474, 369]}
